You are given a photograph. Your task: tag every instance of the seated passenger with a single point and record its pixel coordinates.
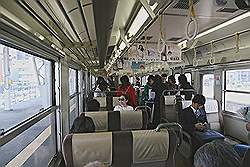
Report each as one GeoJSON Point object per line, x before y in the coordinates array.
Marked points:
{"type": "Point", "coordinates": [93, 105]}
{"type": "Point", "coordinates": [217, 153]}
{"type": "Point", "coordinates": [193, 118]}
{"type": "Point", "coordinates": [123, 106]}
{"type": "Point", "coordinates": [194, 121]}
{"type": "Point", "coordinates": [82, 124]}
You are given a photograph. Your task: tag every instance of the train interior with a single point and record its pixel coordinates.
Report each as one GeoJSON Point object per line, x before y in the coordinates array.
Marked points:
{"type": "Point", "coordinates": [52, 53]}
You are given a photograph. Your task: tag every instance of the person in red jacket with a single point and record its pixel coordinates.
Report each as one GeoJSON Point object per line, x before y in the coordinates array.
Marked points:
{"type": "Point", "coordinates": [127, 88]}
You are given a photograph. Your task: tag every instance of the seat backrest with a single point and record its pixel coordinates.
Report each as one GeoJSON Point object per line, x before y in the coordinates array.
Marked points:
{"type": "Point", "coordinates": [168, 108]}
{"type": "Point", "coordinates": [143, 148]}
{"type": "Point", "coordinates": [102, 101]}
{"type": "Point", "coordinates": [212, 112]}
{"type": "Point", "coordinates": [116, 120]}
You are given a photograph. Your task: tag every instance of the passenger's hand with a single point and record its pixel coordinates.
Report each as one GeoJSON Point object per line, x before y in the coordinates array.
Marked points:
{"type": "Point", "coordinates": [199, 126]}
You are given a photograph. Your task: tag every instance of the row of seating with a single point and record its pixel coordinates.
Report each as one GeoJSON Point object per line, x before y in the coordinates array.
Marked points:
{"type": "Point", "coordinates": [170, 108]}
{"type": "Point", "coordinates": [141, 148]}
{"type": "Point", "coordinates": [118, 121]}
{"type": "Point", "coordinates": [121, 139]}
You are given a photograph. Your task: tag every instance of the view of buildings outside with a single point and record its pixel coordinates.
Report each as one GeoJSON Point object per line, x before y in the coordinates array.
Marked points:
{"type": "Point", "coordinates": [25, 85]}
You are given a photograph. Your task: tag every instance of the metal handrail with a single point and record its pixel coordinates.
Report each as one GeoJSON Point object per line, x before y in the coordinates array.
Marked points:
{"type": "Point", "coordinates": [143, 107]}
{"type": "Point", "coordinates": [172, 126]}
{"type": "Point", "coordinates": [24, 125]}
{"type": "Point", "coordinates": [177, 90]}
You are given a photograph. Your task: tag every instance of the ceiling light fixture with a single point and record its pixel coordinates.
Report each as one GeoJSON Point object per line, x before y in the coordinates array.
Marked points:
{"type": "Point", "coordinates": [227, 23]}
{"type": "Point", "coordinates": [139, 20]}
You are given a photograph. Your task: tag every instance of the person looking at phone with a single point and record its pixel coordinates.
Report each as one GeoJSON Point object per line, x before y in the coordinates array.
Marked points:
{"type": "Point", "coordinates": [193, 118]}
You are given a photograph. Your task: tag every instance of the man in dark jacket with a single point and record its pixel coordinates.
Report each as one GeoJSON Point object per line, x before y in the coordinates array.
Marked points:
{"type": "Point", "coordinates": [193, 118]}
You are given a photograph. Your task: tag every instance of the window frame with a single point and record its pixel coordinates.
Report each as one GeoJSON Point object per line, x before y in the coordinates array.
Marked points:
{"type": "Point", "coordinates": [225, 90]}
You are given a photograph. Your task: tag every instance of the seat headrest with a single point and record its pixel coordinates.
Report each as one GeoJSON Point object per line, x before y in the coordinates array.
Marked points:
{"type": "Point", "coordinates": [88, 148]}
{"type": "Point", "coordinates": [170, 100]}
{"type": "Point", "coordinates": [102, 101]}
{"type": "Point", "coordinates": [116, 121]}
{"type": "Point", "coordinates": [149, 145]}
{"type": "Point", "coordinates": [115, 101]}
{"type": "Point", "coordinates": [100, 120]}
{"type": "Point", "coordinates": [186, 103]}
{"type": "Point", "coordinates": [144, 146]}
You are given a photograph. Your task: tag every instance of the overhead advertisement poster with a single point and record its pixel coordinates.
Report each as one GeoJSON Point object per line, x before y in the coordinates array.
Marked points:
{"type": "Point", "coordinates": [138, 65]}
{"type": "Point", "coordinates": [173, 53]}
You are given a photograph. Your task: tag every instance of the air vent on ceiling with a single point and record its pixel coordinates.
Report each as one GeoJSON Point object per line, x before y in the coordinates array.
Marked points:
{"type": "Point", "coordinates": [174, 39]}
{"type": "Point", "coordinates": [183, 4]}
{"type": "Point", "coordinates": [148, 37]}
{"type": "Point", "coordinates": [227, 10]}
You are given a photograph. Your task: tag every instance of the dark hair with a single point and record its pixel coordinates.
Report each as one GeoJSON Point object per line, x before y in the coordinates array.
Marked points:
{"type": "Point", "coordinates": [164, 75]}
{"type": "Point", "coordinates": [82, 124]}
{"type": "Point", "coordinates": [200, 99]}
{"type": "Point", "coordinates": [93, 105]}
{"type": "Point", "coordinates": [217, 153]}
{"type": "Point", "coordinates": [157, 79]}
{"type": "Point", "coordinates": [124, 80]}
{"type": "Point", "coordinates": [137, 78]}
{"type": "Point", "coordinates": [150, 77]}
{"type": "Point", "coordinates": [100, 80]}
{"type": "Point", "coordinates": [182, 79]}
{"type": "Point", "coordinates": [171, 78]}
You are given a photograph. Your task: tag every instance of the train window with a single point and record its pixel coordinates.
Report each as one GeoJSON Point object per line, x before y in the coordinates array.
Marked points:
{"type": "Point", "coordinates": [25, 86]}
{"type": "Point", "coordinates": [93, 80]}
{"type": "Point", "coordinates": [72, 81]}
{"type": "Point", "coordinates": [208, 86]}
{"type": "Point", "coordinates": [74, 99]}
{"type": "Point", "coordinates": [236, 94]}
{"type": "Point", "coordinates": [189, 77]}
{"type": "Point", "coordinates": [176, 78]}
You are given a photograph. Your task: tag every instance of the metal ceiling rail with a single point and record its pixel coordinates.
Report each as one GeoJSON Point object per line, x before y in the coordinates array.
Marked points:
{"type": "Point", "coordinates": [53, 20]}
{"type": "Point", "coordinates": [142, 30]}
{"type": "Point", "coordinates": [37, 18]}
{"type": "Point", "coordinates": [219, 39]}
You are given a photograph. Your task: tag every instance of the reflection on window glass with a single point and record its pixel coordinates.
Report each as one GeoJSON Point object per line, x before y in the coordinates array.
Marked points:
{"type": "Point", "coordinates": [34, 147]}
{"type": "Point", "coordinates": [176, 78]}
{"type": "Point", "coordinates": [238, 80]}
{"type": "Point", "coordinates": [73, 104]}
{"type": "Point", "coordinates": [208, 86]}
{"type": "Point", "coordinates": [144, 80]}
{"type": "Point", "coordinates": [236, 101]}
{"type": "Point", "coordinates": [189, 77]}
{"type": "Point", "coordinates": [72, 81]}
{"type": "Point", "coordinates": [93, 81]}
{"type": "Point", "coordinates": [25, 86]}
